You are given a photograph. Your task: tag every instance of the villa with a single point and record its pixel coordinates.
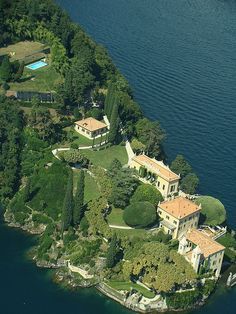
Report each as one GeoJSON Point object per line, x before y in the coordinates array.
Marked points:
{"type": "Point", "coordinates": [91, 128]}
{"type": "Point", "coordinates": [166, 181]}
{"type": "Point", "coordinates": [178, 216]}
{"type": "Point", "coordinates": [202, 252]}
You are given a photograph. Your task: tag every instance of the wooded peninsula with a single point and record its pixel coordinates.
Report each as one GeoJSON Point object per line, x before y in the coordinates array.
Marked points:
{"type": "Point", "coordinates": [86, 171]}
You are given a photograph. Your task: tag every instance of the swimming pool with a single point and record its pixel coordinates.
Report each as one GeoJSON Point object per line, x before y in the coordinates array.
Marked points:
{"type": "Point", "coordinates": [36, 65]}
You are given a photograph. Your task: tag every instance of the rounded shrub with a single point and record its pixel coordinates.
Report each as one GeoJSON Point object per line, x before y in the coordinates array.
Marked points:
{"type": "Point", "coordinates": [213, 211]}
{"type": "Point", "coordinates": [147, 193]}
{"type": "Point", "coordinates": [140, 214]}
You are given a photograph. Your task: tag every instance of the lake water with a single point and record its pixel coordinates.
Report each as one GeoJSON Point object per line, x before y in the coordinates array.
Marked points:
{"type": "Point", "coordinates": [180, 59]}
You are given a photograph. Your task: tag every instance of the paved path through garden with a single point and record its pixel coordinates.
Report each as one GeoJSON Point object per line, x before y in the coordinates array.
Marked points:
{"type": "Point", "coordinates": [120, 227]}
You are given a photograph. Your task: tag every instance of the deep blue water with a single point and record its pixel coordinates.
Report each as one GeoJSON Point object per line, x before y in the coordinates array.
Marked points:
{"type": "Point", "coordinates": [180, 58]}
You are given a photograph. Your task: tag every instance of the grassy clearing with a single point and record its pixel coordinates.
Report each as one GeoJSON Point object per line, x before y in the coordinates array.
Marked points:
{"type": "Point", "coordinates": [81, 140]}
{"type": "Point", "coordinates": [213, 211]}
{"type": "Point", "coordinates": [40, 80]}
{"type": "Point", "coordinates": [21, 49]}
{"type": "Point", "coordinates": [84, 141]}
{"type": "Point", "coordinates": [125, 285]}
{"type": "Point", "coordinates": [116, 217]}
{"type": "Point", "coordinates": [103, 158]}
{"type": "Point", "coordinates": [91, 190]}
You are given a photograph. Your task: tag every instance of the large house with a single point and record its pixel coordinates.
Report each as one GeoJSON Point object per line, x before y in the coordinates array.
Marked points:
{"type": "Point", "coordinates": [91, 128]}
{"type": "Point", "coordinates": [178, 215]}
{"type": "Point", "coordinates": [166, 181]}
{"type": "Point", "coordinates": [202, 252]}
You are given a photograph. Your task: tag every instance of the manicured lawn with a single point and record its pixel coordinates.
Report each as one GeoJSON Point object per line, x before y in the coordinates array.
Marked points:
{"type": "Point", "coordinates": [21, 49]}
{"type": "Point", "coordinates": [104, 157]}
{"type": "Point", "coordinates": [125, 285]}
{"type": "Point", "coordinates": [81, 140]}
{"type": "Point", "coordinates": [84, 141]}
{"type": "Point", "coordinates": [213, 211]}
{"type": "Point", "coordinates": [41, 80]}
{"type": "Point", "coordinates": [91, 190]}
{"type": "Point", "coordinates": [116, 217]}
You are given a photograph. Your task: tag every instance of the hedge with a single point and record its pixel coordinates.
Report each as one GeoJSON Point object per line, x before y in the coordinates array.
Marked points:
{"type": "Point", "coordinates": [140, 214]}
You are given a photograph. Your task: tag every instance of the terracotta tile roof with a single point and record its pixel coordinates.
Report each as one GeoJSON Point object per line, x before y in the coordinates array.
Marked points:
{"type": "Point", "coordinates": [158, 167]}
{"type": "Point", "coordinates": [179, 207]}
{"type": "Point", "coordinates": [205, 243]}
{"type": "Point", "coordinates": [91, 124]}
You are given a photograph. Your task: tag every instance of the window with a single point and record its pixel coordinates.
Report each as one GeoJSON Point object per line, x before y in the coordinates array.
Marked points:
{"type": "Point", "coordinates": [83, 130]}
{"type": "Point", "coordinates": [167, 217]}
{"type": "Point", "coordinates": [158, 183]}
{"type": "Point", "coordinates": [172, 188]}
{"type": "Point", "coordinates": [163, 187]}
{"type": "Point", "coordinates": [175, 222]}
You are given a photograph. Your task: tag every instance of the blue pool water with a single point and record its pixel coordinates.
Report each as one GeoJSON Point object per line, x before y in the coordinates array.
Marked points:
{"type": "Point", "coordinates": [36, 65]}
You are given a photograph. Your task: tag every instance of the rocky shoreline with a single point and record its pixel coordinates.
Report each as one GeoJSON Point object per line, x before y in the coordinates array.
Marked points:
{"type": "Point", "coordinates": [70, 280]}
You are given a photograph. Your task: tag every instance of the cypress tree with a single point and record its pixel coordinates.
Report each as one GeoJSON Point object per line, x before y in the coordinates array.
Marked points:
{"type": "Point", "coordinates": [67, 209]}
{"type": "Point", "coordinates": [107, 100]}
{"type": "Point", "coordinates": [5, 70]}
{"type": "Point", "coordinates": [112, 252]}
{"type": "Point", "coordinates": [79, 199]}
{"type": "Point", "coordinates": [20, 71]}
{"type": "Point", "coordinates": [114, 125]}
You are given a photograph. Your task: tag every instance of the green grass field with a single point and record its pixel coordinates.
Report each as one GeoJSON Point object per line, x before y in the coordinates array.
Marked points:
{"type": "Point", "coordinates": [81, 140]}
{"type": "Point", "coordinates": [91, 190]}
{"type": "Point", "coordinates": [22, 49]}
{"type": "Point", "coordinates": [125, 285]}
{"type": "Point", "coordinates": [116, 217]}
{"type": "Point", "coordinates": [41, 80]}
{"type": "Point", "coordinates": [213, 211]}
{"type": "Point", "coordinates": [104, 157]}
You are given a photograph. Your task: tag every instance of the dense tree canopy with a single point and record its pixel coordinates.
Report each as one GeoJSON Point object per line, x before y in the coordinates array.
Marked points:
{"type": "Point", "coordinates": [11, 124]}
{"type": "Point", "coordinates": [112, 252]}
{"type": "Point", "coordinates": [147, 192]}
{"type": "Point", "coordinates": [180, 166]}
{"type": "Point", "coordinates": [189, 180]}
{"type": "Point", "coordinates": [151, 134]}
{"type": "Point", "coordinates": [189, 183]}
{"type": "Point", "coordinates": [158, 266]}
{"type": "Point", "coordinates": [123, 187]}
